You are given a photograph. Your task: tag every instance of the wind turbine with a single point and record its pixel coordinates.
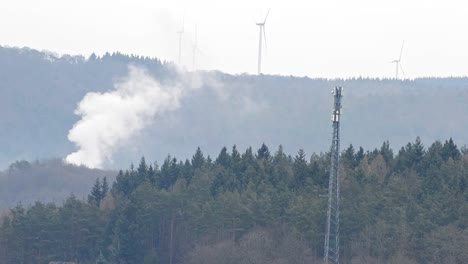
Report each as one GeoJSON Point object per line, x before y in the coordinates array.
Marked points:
{"type": "Point", "coordinates": [398, 64]}
{"type": "Point", "coordinates": [261, 26]}
{"type": "Point", "coordinates": [180, 32]}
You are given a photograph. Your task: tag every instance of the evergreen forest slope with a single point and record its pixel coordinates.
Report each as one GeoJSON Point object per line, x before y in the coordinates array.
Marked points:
{"type": "Point", "coordinates": [257, 207]}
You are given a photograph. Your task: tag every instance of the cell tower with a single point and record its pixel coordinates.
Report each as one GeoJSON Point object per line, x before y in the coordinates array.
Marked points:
{"type": "Point", "coordinates": [332, 234]}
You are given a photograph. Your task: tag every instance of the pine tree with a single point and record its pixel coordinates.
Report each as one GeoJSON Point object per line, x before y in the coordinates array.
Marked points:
{"type": "Point", "coordinates": [281, 173]}
{"type": "Point", "coordinates": [450, 150]}
{"type": "Point", "coordinates": [170, 172]}
{"type": "Point", "coordinates": [198, 160]}
{"type": "Point", "coordinates": [386, 152]}
{"type": "Point", "coordinates": [96, 193]}
{"type": "Point", "coordinates": [248, 157]}
{"type": "Point", "coordinates": [411, 157]}
{"type": "Point", "coordinates": [151, 174]}
{"type": "Point", "coordinates": [209, 161]}
{"type": "Point", "coordinates": [223, 158]}
{"type": "Point", "coordinates": [300, 169]}
{"type": "Point", "coordinates": [235, 159]}
{"type": "Point", "coordinates": [263, 153]}
{"type": "Point", "coordinates": [433, 158]}
{"type": "Point", "coordinates": [142, 169]}
{"type": "Point", "coordinates": [348, 157]}
{"type": "Point", "coordinates": [359, 156]}
{"type": "Point", "coordinates": [418, 150]}
{"type": "Point", "coordinates": [104, 187]}
{"type": "Point", "coordinates": [279, 155]}
{"type": "Point", "coordinates": [187, 171]}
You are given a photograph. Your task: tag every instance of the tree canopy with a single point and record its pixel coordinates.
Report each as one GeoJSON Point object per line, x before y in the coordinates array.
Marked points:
{"type": "Point", "coordinates": [267, 207]}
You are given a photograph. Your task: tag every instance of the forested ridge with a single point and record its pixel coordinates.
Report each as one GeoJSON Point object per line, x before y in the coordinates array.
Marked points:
{"type": "Point", "coordinates": [257, 207]}
{"type": "Point", "coordinates": [46, 181]}
{"type": "Point", "coordinates": [41, 90]}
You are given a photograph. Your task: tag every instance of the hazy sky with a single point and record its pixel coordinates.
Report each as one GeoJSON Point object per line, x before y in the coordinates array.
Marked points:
{"type": "Point", "coordinates": [315, 38]}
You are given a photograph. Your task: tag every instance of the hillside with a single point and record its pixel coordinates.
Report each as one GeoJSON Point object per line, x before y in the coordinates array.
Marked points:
{"type": "Point", "coordinates": [402, 203]}
{"type": "Point", "coordinates": [40, 91]}
{"type": "Point", "coordinates": [46, 181]}
{"type": "Point", "coordinates": [258, 207]}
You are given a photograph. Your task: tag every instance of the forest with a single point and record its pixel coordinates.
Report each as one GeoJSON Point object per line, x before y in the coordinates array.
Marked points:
{"type": "Point", "coordinates": [264, 206]}
{"type": "Point", "coordinates": [41, 91]}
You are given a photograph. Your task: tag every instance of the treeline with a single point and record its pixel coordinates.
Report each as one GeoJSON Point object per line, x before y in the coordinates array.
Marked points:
{"type": "Point", "coordinates": [257, 207]}
{"type": "Point", "coordinates": [46, 181]}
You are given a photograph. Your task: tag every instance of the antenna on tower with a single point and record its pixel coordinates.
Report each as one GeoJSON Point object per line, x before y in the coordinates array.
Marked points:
{"type": "Point", "coordinates": [262, 36]}
{"type": "Point", "coordinates": [332, 234]}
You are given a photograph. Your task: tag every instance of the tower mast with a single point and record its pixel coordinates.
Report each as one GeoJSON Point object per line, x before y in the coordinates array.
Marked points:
{"type": "Point", "coordinates": [259, 65]}
{"type": "Point", "coordinates": [332, 234]}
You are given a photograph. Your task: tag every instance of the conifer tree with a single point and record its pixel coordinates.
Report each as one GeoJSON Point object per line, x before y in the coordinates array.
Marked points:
{"type": "Point", "coordinates": [198, 160]}
{"type": "Point", "coordinates": [104, 187]}
{"type": "Point", "coordinates": [450, 150]}
{"type": "Point", "coordinates": [348, 157]}
{"type": "Point", "coordinates": [223, 158]}
{"type": "Point", "coordinates": [359, 156]}
{"type": "Point", "coordinates": [263, 153]}
{"type": "Point", "coordinates": [96, 194]}
{"type": "Point", "coordinates": [142, 167]}
{"type": "Point", "coordinates": [386, 152]}
{"type": "Point", "coordinates": [300, 169]}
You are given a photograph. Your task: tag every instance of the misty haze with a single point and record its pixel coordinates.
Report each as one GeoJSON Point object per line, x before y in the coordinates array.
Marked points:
{"type": "Point", "coordinates": [286, 138]}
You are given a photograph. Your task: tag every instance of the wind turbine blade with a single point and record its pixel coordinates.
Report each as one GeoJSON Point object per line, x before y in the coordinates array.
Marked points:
{"type": "Point", "coordinates": [268, 12]}
{"type": "Point", "coordinates": [401, 68]}
{"type": "Point", "coordinates": [264, 36]}
{"type": "Point", "coordinates": [401, 51]}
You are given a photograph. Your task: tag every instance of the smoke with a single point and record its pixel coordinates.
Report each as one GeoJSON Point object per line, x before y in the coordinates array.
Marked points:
{"type": "Point", "coordinates": [109, 120]}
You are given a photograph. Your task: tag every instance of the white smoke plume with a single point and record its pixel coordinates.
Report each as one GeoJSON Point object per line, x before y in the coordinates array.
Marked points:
{"type": "Point", "coordinates": [109, 120]}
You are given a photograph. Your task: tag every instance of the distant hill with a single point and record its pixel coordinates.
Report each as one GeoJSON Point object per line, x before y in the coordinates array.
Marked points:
{"type": "Point", "coordinates": [46, 181]}
{"type": "Point", "coordinates": [40, 91]}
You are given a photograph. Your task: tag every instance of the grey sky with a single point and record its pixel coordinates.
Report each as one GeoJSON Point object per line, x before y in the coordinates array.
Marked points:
{"type": "Point", "coordinates": [314, 38]}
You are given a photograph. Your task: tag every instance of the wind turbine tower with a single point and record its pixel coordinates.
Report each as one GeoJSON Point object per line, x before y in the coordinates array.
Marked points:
{"type": "Point", "coordinates": [195, 50]}
{"type": "Point", "coordinates": [332, 232]}
{"type": "Point", "coordinates": [180, 32]}
{"type": "Point", "coordinates": [262, 36]}
{"type": "Point", "coordinates": [398, 63]}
